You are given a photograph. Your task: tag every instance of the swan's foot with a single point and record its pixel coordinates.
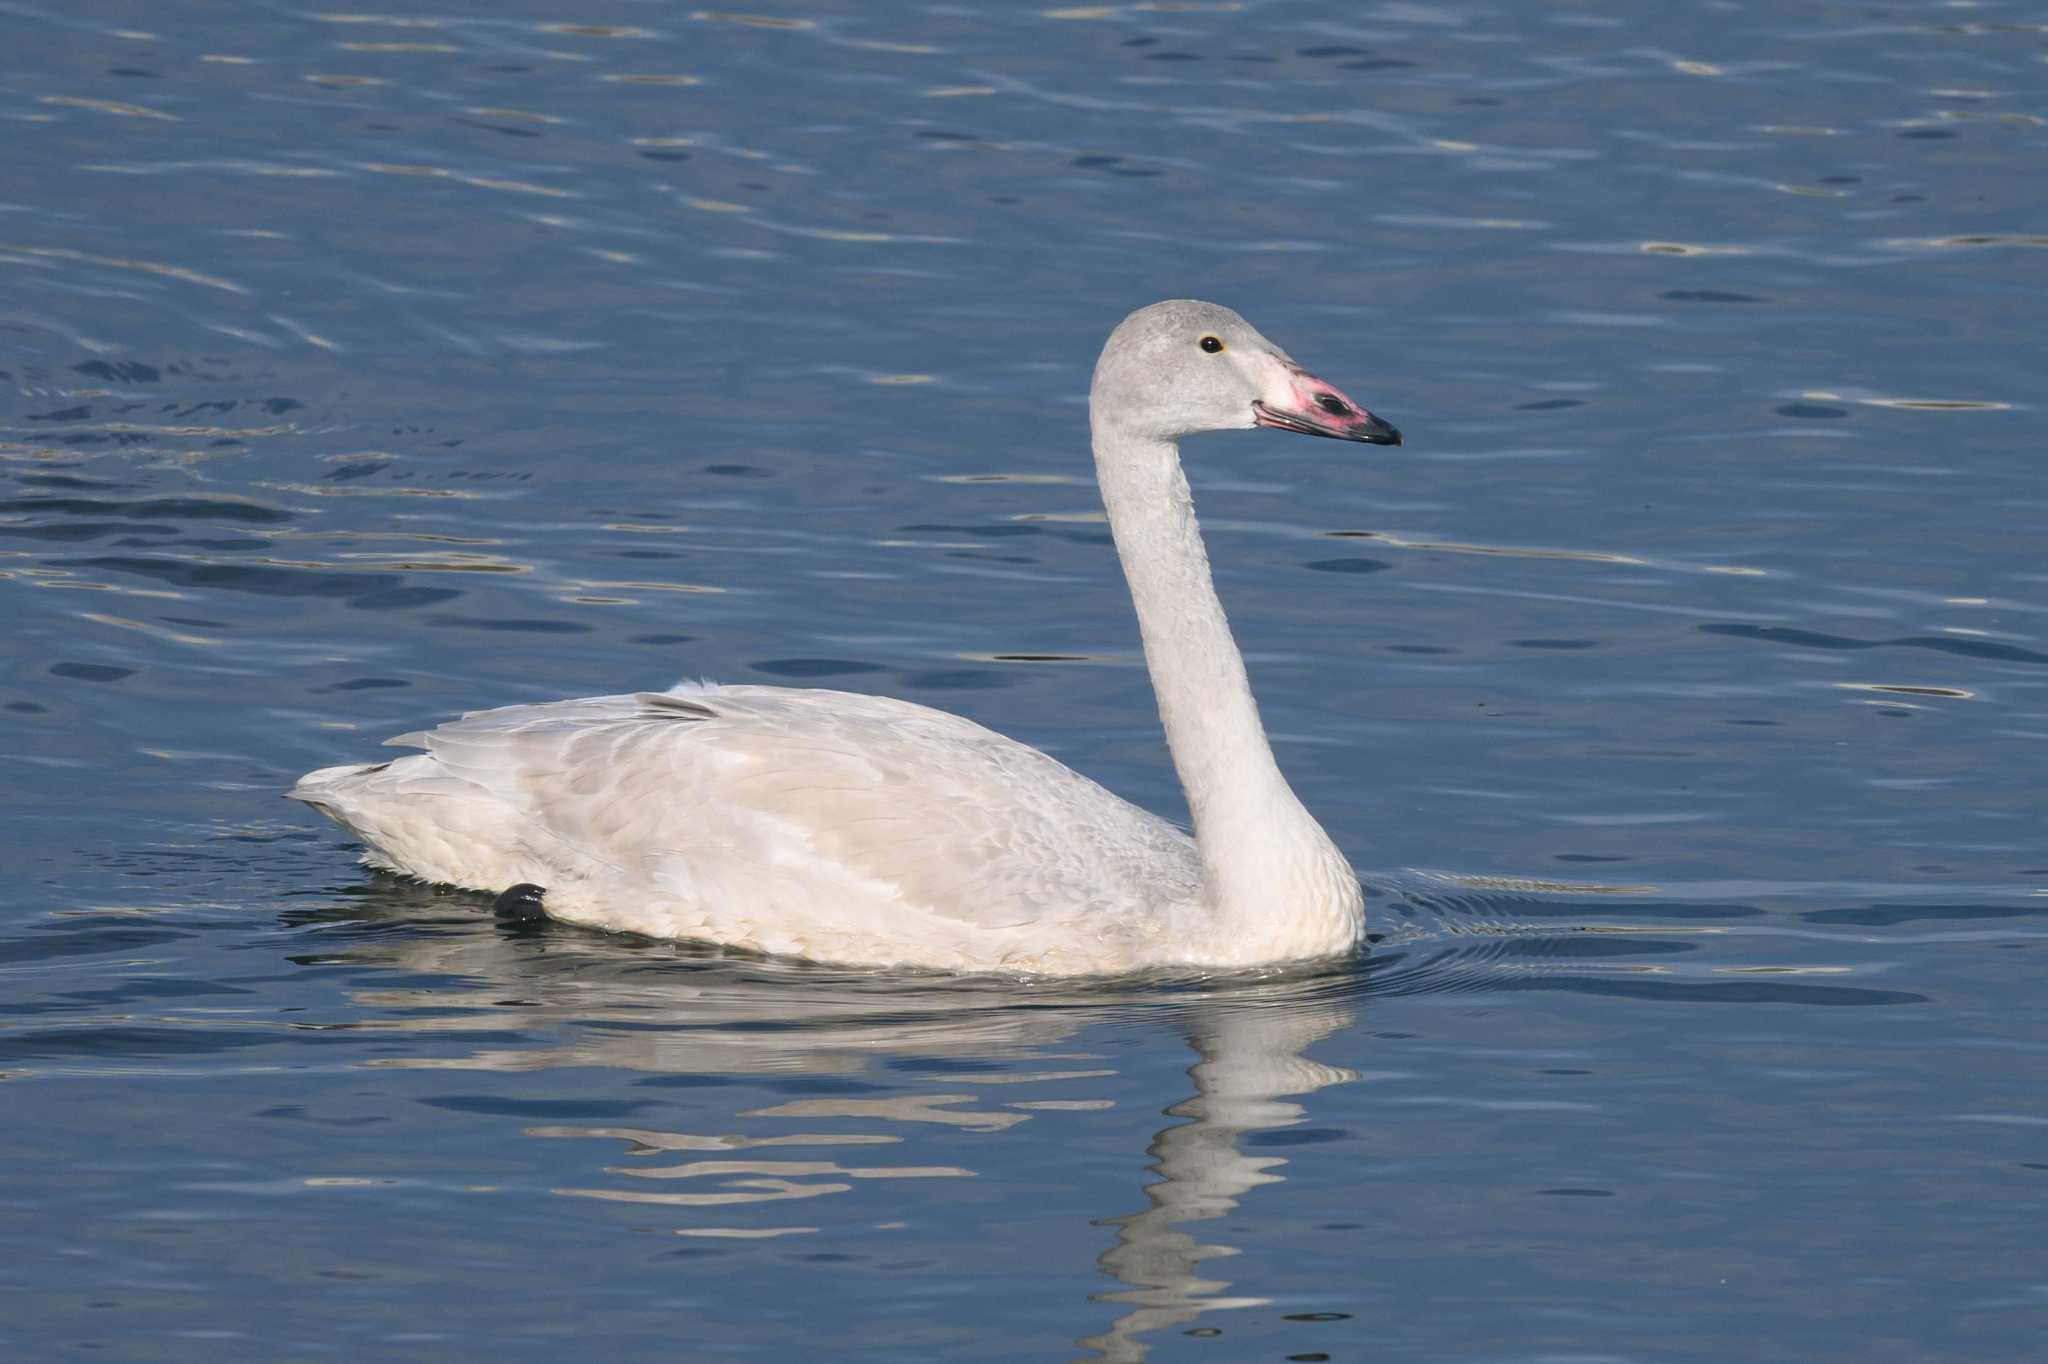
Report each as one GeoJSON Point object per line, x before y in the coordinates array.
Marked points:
{"type": "Point", "coordinates": [521, 904]}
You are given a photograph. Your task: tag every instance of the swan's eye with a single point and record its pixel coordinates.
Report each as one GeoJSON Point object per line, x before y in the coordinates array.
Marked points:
{"type": "Point", "coordinates": [1211, 344]}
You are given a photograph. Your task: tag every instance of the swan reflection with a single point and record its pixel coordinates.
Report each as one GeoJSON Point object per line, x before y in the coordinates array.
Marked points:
{"type": "Point", "coordinates": [855, 1052]}
{"type": "Point", "coordinates": [1251, 1059]}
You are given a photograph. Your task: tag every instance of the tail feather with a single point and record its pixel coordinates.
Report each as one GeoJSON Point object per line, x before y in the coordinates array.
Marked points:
{"type": "Point", "coordinates": [321, 786]}
{"type": "Point", "coordinates": [413, 816]}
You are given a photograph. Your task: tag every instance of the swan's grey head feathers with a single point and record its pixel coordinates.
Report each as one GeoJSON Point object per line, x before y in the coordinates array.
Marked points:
{"type": "Point", "coordinates": [1183, 366]}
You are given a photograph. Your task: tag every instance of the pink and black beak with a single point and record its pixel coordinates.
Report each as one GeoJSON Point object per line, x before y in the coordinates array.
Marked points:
{"type": "Point", "coordinates": [1316, 408]}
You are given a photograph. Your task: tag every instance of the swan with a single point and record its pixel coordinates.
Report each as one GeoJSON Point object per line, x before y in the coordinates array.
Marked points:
{"type": "Point", "coordinates": [869, 831]}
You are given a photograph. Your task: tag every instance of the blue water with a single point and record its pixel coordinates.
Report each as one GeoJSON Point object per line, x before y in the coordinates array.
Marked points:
{"type": "Point", "coordinates": [1680, 689]}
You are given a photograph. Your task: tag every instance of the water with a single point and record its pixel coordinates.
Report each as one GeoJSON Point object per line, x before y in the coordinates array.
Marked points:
{"type": "Point", "coordinates": [1680, 689]}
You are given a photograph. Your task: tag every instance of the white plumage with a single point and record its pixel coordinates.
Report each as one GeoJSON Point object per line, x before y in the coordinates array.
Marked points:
{"type": "Point", "coordinates": [863, 829]}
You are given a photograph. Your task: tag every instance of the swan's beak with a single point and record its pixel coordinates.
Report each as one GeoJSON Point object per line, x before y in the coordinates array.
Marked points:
{"type": "Point", "coordinates": [1315, 408]}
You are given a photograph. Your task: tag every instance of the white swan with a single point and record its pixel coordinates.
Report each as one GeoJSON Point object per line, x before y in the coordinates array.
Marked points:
{"type": "Point", "coordinates": [866, 830]}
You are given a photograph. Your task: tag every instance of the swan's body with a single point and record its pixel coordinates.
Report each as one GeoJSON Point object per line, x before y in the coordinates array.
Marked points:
{"type": "Point", "coordinates": [862, 829]}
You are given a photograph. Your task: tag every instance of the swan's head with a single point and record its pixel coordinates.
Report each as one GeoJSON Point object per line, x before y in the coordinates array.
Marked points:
{"type": "Point", "coordinates": [1184, 366]}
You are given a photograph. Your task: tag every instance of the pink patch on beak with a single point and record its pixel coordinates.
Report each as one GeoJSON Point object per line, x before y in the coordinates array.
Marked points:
{"type": "Point", "coordinates": [1316, 407]}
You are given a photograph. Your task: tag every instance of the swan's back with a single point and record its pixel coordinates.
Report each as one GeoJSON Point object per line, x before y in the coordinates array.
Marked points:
{"type": "Point", "coordinates": [831, 825]}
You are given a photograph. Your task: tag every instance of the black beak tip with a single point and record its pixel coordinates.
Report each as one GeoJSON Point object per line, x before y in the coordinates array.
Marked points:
{"type": "Point", "coordinates": [1381, 433]}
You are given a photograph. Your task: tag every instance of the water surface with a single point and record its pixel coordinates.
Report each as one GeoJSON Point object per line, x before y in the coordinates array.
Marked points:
{"type": "Point", "coordinates": [1679, 689]}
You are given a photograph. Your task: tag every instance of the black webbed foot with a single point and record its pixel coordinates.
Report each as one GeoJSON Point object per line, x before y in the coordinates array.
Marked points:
{"type": "Point", "coordinates": [521, 904]}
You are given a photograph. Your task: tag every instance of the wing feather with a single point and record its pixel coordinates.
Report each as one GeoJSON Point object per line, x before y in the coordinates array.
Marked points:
{"type": "Point", "coordinates": [735, 786]}
{"type": "Point", "coordinates": [831, 824]}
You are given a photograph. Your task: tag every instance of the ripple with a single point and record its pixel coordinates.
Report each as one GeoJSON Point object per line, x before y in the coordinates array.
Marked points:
{"type": "Point", "coordinates": [1816, 639]}
{"type": "Point", "coordinates": [176, 272]}
{"type": "Point", "coordinates": [1907, 689]}
{"type": "Point", "coordinates": [1972, 240]}
{"type": "Point", "coordinates": [261, 577]}
{"type": "Point", "coordinates": [1893, 915]}
{"type": "Point", "coordinates": [108, 106]}
{"type": "Point", "coordinates": [1912, 404]}
{"type": "Point", "coordinates": [813, 667]}
{"type": "Point", "coordinates": [243, 510]}
{"type": "Point", "coordinates": [1505, 551]}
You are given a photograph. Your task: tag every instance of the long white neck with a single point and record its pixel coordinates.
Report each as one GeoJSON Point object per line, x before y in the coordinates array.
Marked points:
{"type": "Point", "coordinates": [1269, 870]}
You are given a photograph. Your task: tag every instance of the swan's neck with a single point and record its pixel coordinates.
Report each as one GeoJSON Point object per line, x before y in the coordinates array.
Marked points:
{"type": "Point", "coordinates": [1269, 869]}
